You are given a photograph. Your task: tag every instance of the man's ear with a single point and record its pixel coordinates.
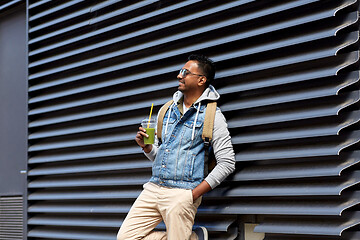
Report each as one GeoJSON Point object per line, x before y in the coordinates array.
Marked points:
{"type": "Point", "coordinates": [202, 81]}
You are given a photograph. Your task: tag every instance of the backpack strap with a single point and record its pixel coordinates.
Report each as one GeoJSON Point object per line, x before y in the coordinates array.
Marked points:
{"type": "Point", "coordinates": [161, 118]}
{"type": "Point", "coordinates": [209, 121]}
{"type": "Point", "coordinates": [208, 132]}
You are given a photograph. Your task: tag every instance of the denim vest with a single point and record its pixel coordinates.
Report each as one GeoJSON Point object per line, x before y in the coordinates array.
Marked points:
{"type": "Point", "coordinates": [179, 161]}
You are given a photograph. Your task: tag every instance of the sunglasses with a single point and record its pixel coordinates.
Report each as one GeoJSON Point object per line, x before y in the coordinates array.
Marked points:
{"type": "Point", "coordinates": [184, 72]}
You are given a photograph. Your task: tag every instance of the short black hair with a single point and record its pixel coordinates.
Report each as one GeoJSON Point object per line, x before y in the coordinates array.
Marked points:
{"type": "Point", "coordinates": [206, 65]}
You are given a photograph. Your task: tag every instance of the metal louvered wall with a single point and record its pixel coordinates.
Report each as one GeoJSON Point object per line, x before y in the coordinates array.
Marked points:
{"type": "Point", "coordinates": [288, 75]}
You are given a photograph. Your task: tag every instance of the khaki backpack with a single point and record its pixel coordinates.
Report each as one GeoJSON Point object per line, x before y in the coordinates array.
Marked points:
{"type": "Point", "coordinates": [207, 133]}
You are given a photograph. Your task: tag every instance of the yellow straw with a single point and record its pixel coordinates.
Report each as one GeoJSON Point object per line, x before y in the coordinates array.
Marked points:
{"type": "Point", "coordinates": [152, 105]}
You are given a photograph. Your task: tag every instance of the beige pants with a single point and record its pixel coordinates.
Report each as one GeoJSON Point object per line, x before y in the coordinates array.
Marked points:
{"type": "Point", "coordinates": [174, 206]}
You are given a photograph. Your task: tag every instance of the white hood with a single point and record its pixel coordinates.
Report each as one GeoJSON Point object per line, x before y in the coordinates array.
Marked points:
{"type": "Point", "coordinates": [209, 94]}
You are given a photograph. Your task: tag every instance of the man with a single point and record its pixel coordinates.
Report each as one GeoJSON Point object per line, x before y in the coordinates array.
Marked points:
{"type": "Point", "coordinates": [178, 181]}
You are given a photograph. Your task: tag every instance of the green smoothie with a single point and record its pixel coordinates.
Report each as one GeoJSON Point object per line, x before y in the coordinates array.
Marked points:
{"type": "Point", "coordinates": [151, 138]}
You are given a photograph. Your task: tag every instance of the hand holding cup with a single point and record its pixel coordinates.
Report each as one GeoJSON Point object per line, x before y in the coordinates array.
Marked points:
{"type": "Point", "coordinates": [146, 135]}
{"type": "Point", "coordinates": [148, 126]}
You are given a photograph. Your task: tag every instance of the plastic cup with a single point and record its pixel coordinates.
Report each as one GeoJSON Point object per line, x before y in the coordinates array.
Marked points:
{"type": "Point", "coordinates": [150, 130]}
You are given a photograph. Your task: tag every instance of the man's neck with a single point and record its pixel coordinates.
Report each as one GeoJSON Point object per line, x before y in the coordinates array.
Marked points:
{"type": "Point", "coordinates": [189, 99]}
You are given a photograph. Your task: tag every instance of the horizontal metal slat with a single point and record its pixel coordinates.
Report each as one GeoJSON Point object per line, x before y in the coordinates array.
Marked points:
{"type": "Point", "coordinates": [38, 3]}
{"type": "Point", "coordinates": [314, 207]}
{"type": "Point", "coordinates": [271, 81]}
{"type": "Point", "coordinates": [304, 169]}
{"type": "Point", "coordinates": [297, 132]}
{"type": "Point", "coordinates": [334, 206]}
{"type": "Point", "coordinates": [302, 58]}
{"type": "Point", "coordinates": [313, 227]}
{"type": "Point", "coordinates": [311, 149]}
{"type": "Point", "coordinates": [122, 11]}
{"type": "Point", "coordinates": [331, 109]}
{"type": "Point", "coordinates": [127, 79]}
{"type": "Point", "coordinates": [289, 96]}
{"type": "Point", "coordinates": [132, 106]}
{"type": "Point", "coordinates": [333, 187]}
{"type": "Point", "coordinates": [88, 154]}
{"type": "Point", "coordinates": [344, 235]}
{"type": "Point", "coordinates": [84, 128]}
{"type": "Point", "coordinates": [74, 181]}
{"type": "Point", "coordinates": [124, 137]}
{"type": "Point", "coordinates": [65, 233]}
{"type": "Point", "coordinates": [103, 98]}
{"type": "Point", "coordinates": [287, 134]}
{"type": "Point", "coordinates": [78, 13]}
{"type": "Point", "coordinates": [74, 221]}
{"type": "Point", "coordinates": [61, 7]}
{"type": "Point", "coordinates": [7, 5]}
{"type": "Point", "coordinates": [91, 194]}
{"type": "Point", "coordinates": [97, 208]}
{"type": "Point", "coordinates": [131, 164]}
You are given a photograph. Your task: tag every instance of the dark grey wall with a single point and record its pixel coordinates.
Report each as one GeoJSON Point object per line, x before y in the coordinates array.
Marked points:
{"type": "Point", "coordinates": [13, 102]}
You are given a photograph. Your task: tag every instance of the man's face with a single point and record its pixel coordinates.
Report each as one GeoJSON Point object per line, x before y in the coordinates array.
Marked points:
{"type": "Point", "coordinates": [190, 82]}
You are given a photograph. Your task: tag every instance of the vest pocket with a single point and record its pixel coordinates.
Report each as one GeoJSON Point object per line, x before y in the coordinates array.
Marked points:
{"type": "Point", "coordinates": [170, 124]}
{"type": "Point", "coordinates": [171, 120]}
{"type": "Point", "coordinates": [189, 167]}
{"type": "Point", "coordinates": [189, 123]}
{"type": "Point", "coordinates": [189, 128]}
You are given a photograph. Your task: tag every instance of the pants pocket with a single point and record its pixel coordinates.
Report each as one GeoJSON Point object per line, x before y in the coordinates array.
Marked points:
{"type": "Point", "coordinates": [191, 196]}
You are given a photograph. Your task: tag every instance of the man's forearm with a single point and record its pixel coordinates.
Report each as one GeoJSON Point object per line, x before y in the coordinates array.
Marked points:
{"type": "Point", "coordinates": [200, 190]}
{"type": "Point", "coordinates": [147, 148]}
